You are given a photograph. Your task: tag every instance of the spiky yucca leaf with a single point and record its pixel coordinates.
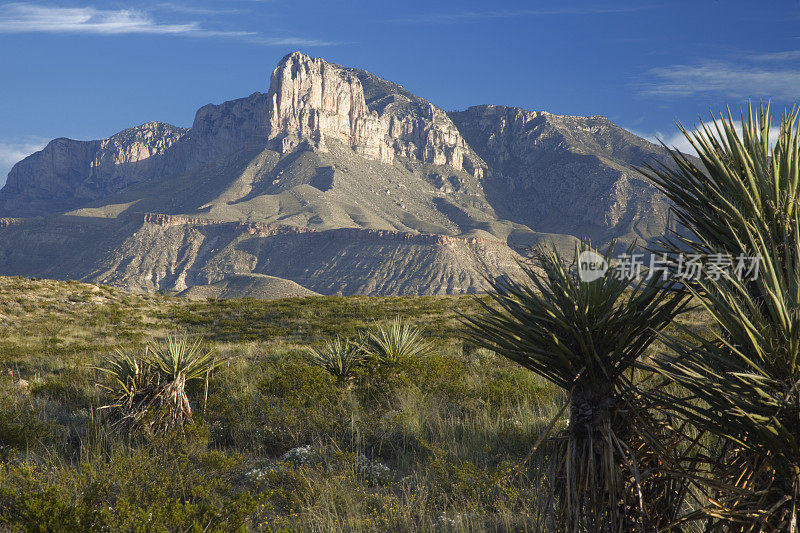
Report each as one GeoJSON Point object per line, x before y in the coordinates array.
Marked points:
{"type": "Point", "coordinates": [339, 357]}
{"type": "Point", "coordinates": [741, 181]}
{"type": "Point", "coordinates": [126, 372]}
{"type": "Point", "coordinates": [744, 382]}
{"type": "Point", "coordinates": [178, 356]}
{"type": "Point", "coordinates": [584, 337]}
{"type": "Point", "coordinates": [396, 341]}
{"type": "Point", "coordinates": [565, 330]}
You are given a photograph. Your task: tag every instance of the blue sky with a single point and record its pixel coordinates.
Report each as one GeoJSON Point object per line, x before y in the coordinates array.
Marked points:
{"type": "Point", "coordinates": [87, 69]}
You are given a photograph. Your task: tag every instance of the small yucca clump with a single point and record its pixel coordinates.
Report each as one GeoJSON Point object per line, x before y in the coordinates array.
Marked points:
{"type": "Point", "coordinates": [151, 390]}
{"type": "Point", "coordinates": [179, 361]}
{"type": "Point", "coordinates": [339, 357]}
{"type": "Point", "coordinates": [395, 342]}
{"type": "Point", "coordinates": [133, 380]}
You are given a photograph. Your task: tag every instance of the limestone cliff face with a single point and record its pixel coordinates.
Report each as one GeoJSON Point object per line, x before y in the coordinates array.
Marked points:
{"type": "Point", "coordinates": [66, 171]}
{"type": "Point", "coordinates": [314, 101]}
{"type": "Point", "coordinates": [131, 156]}
{"type": "Point", "coordinates": [219, 130]}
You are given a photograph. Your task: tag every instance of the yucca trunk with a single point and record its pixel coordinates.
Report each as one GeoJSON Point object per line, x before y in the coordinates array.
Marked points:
{"type": "Point", "coordinates": [589, 407]}
{"type": "Point", "coordinates": [601, 473]}
{"type": "Point", "coordinates": [174, 403]}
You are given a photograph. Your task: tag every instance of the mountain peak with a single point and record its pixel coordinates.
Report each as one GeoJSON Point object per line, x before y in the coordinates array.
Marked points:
{"type": "Point", "coordinates": [296, 56]}
{"type": "Point", "coordinates": [312, 102]}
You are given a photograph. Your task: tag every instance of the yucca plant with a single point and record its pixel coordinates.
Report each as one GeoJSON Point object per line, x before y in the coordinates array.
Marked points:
{"type": "Point", "coordinates": [151, 390]}
{"type": "Point", "coordinates": [741, 182]}
{"type": "Point", "coordinates": [133, 381]}
{"type": "Point", "coordinates": [743, 385]}
{"type": "Point", "coordinates": [396, 341]}
{"type": "Point", "coordinates": [179, 360]}
{"type": "Point", "coordinates": [584, 337]}
{"type": "Point", "coordinates": [339, 357]}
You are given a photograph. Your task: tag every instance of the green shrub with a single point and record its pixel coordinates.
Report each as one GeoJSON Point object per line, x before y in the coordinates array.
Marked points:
{"type": "Point", "coordinates": [152, 488]}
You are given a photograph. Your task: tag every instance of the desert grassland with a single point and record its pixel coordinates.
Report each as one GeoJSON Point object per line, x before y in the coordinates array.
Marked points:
{"type": "Point", "coordinates": [434, 443]}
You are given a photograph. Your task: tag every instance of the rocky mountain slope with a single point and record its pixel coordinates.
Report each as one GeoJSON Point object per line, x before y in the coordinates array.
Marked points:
{"type": "Point", "coordinates": [564, 174]}
{"type": "Point", "coordinates": [334, 179]}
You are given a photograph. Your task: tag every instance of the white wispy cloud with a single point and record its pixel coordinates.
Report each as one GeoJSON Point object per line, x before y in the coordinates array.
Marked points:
{"type": "Point", "coordinates": [295, 41]}
{"type": "Point", "coordinates": [31, 18]}
{"type": "Point", "coordinates": [770, 57]}
{"type": "Point", "coordinates": [34, 18]}
{"type": "Point", "coordinates": [774, 75]}
{"type": "Point", "coordinates": [469, 16]}
{"type": "Point", "coordinates": [193, 9]}
{"type": "Point", "coordinates": [11, 153]}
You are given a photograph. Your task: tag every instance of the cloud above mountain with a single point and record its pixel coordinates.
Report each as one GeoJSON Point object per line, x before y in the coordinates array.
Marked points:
{"type": "Point", "coordinates": [749, 75]}
{"type": "Point", "coordinates": [478, 16]}
{"type": "Point", "coordinates": [88, 20]}
{"type": "Point", "coordinates": [678, 140]}
{"type": "Point", "coordinates": [31, 18]}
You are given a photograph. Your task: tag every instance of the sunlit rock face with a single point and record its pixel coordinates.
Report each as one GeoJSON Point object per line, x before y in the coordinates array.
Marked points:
{"type": "Point", "coordinates": [312, 100]}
